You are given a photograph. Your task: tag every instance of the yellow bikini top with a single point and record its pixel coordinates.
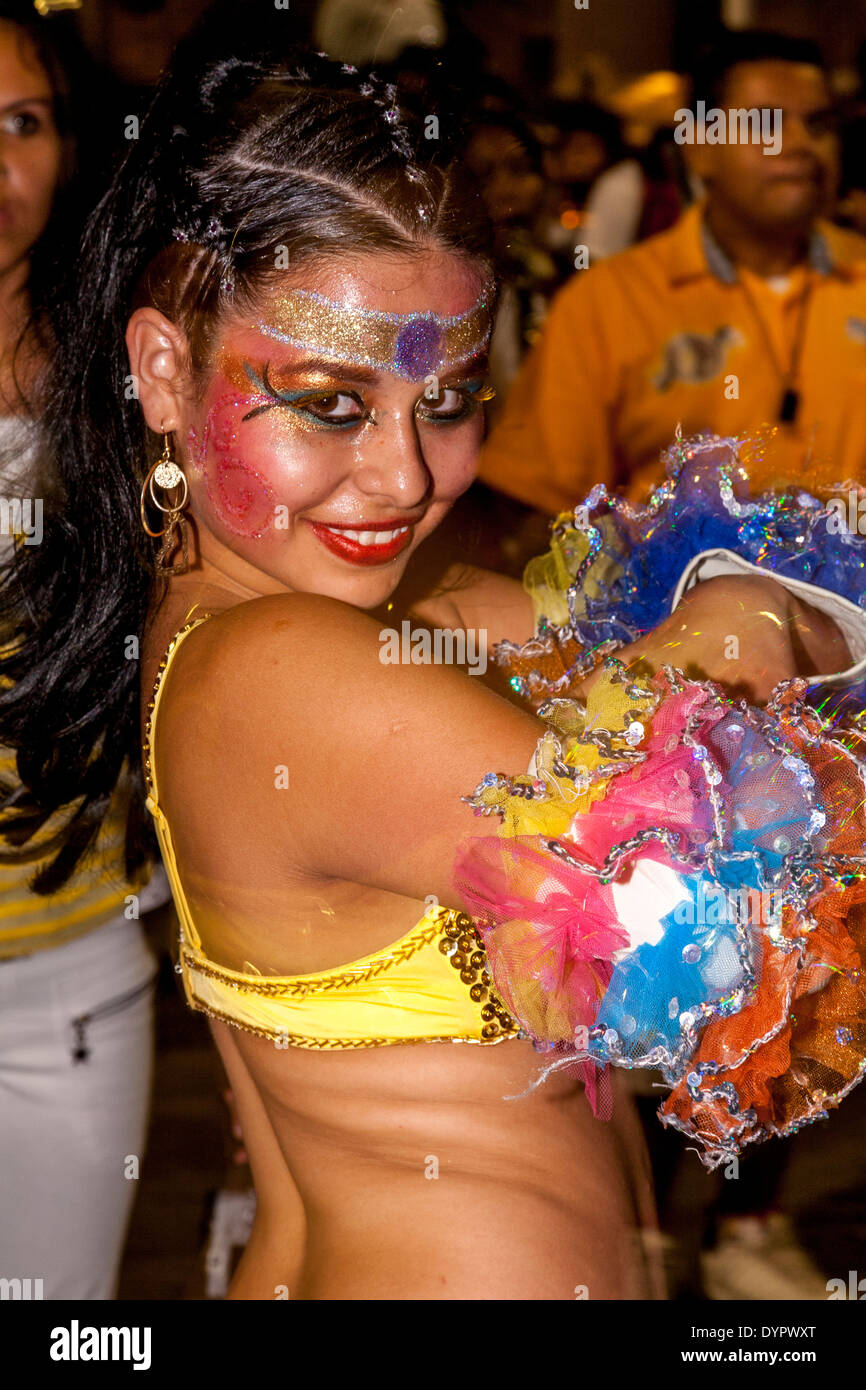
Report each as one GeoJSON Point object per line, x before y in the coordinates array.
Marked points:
{"type": "Point", "coordinates": [430, 986]}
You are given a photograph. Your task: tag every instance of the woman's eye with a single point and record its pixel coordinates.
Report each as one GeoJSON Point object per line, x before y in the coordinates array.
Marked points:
{"type": "Point", "coordinates": [22, 123]}
{"type": "Point", "coordinates": [340, 406]}
{"type": "Point", "coordinates": [444, 404]}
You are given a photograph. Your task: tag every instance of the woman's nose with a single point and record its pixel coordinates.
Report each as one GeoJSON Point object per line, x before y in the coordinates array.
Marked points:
{"type": "Point", "coordinates": [391, 462]}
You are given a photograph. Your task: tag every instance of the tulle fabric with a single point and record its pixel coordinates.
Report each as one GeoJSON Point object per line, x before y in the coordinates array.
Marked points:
{"type": "Point", "coordinates": [612, 567]}
{"type": "Point", "coordinates": [681, 885]}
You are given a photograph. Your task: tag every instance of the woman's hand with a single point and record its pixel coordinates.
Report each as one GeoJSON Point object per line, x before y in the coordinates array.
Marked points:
{"type": "Point", "coordinates": [744, 632]}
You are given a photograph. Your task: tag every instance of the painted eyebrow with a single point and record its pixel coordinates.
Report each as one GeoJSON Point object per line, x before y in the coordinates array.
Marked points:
{"type": "Point", "coordinates": [472, 366]}
{"type": "Point", "coordinates": [365, 376]}
{"type": "Point", "coordinates": [345, 371]}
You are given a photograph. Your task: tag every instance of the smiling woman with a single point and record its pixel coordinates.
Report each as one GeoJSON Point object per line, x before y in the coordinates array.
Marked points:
{"type": "Point", "coordinates": [268, 412]}
{"type": "Point", "coordinates": [76, 971]}
{"type": "Point", "coordinates": [302, 285]}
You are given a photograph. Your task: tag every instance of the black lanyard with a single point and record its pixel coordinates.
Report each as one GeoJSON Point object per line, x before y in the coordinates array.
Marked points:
{"type": "Point", "coordinates": [789, 404]}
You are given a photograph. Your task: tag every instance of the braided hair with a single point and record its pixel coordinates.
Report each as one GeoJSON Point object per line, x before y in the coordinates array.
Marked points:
{"type": "Point", "coordinates": [237, 155]}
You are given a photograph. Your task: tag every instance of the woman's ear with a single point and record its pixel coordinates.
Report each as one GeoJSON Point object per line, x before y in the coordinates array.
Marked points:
{"type": "Point", "coordinates": [159, 362]}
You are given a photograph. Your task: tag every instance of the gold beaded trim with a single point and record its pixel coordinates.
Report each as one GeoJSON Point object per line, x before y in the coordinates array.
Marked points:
{"type": "Point", "coordinates": [151, 706]}
{"type": "Point", "coordinates": [298, 987]}
{"type": "Point", "coordinates": [339, 1044]}
{"type": "Point", "coordinates": [460, 942]}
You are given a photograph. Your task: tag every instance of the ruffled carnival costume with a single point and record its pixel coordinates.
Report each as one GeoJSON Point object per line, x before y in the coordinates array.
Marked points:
{"type": "Point", "coordinates": [678, 881]}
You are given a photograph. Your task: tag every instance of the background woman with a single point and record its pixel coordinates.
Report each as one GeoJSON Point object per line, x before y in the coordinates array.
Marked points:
{"type": "Point", "coordinates": [75, 972]}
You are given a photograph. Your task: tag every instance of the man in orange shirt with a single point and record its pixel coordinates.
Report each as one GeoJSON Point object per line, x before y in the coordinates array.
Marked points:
{"type": "Point", "coordinates": [751, 311]}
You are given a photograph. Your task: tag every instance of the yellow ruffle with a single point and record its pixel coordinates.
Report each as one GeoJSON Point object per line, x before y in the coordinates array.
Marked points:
{"type": "Point", "coordinates": [547, 577]}
{"type": "Point", "coordinates": [615, 703]}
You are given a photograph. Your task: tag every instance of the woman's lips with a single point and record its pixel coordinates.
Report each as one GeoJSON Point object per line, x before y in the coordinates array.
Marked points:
{"type": "Point", "coordinates": [361, 545]}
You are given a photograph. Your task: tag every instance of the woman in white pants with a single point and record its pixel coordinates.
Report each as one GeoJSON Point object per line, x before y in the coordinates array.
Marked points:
{"type": "Point", "coordinates": [75, 971]}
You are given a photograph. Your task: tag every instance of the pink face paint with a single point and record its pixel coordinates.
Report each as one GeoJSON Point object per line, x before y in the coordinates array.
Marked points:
{"type": "Point", "coordinates": [238, 493]}
{"type": "Point", "coordinates": [193, 447]}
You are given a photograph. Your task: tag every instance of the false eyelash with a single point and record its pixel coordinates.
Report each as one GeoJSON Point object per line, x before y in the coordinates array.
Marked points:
{"type": "Point", "coordinates": [263, 384]}
{"type": "Point", "coordinates": [473, 393]}
{"type": "Point", "coordinates": [477, 388]}
{"type": "Point", "coordinates": [297, 400]}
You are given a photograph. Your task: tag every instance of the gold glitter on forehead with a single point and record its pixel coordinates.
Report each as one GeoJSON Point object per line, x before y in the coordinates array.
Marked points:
{"type": "Point", "coordinates": [412, 346]}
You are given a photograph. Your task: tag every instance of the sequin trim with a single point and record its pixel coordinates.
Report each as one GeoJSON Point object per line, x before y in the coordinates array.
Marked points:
{"type": "Point", "coordinates": [151, 705]}
{"type": "Point", "coordinates": [459, 941]}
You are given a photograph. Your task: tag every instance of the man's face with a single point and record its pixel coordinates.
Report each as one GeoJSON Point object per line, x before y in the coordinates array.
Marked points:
{"type": "Point", "coordinates": [775, 191]}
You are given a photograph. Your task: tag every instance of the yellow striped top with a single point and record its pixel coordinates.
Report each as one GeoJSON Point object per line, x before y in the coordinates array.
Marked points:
{"type": "Point", "coordinates": [95, 893]}
{"type": "Point", "coordinates": [98, 890]}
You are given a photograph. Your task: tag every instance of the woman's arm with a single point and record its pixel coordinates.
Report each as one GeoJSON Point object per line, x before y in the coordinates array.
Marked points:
{"type": "Point", "coordinates": [479, 600]}
{"type": "Point", "coordinates": [734, 634]}
{"type": "Point", "coordinates": [340, 764]}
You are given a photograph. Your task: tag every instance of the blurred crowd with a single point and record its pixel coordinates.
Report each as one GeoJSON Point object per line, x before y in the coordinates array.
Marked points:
{"type": "Point", "coordinates": [571, 183]}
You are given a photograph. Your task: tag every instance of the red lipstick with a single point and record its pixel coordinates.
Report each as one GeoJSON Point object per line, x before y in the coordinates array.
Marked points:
{"type": "Point", "coordinates": [365, 551]}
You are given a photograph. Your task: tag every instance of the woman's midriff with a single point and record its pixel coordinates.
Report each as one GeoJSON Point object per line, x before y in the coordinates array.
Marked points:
{"type": "Point", "coordinates": [415, 1178]}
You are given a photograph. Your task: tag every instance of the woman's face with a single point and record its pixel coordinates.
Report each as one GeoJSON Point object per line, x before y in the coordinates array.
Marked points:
{"type": "Point", "coordinates": [30, 147]}
{"type": "Point", "coordinates": [310, 469]}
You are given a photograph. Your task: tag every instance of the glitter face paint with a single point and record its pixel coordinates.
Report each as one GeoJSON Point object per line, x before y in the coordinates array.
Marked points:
{"type": "Point", "coordinates": [313, 474]}
{"type": "Point", "coordinates": [238, 493]}
{"type": "Point", "coordinates": [410, 346]}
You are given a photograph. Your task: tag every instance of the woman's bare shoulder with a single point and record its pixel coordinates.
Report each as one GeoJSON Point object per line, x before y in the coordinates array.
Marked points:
{"type": "Point", "coordinates": [301, 695]}
{"type": "Point", "coordinates": [251, 696]}
{"type": "Point", "coordinates": [282, 646]}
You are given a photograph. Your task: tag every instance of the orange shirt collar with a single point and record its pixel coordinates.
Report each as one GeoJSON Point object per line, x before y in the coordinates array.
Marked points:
{"type": "Point", "coordinates": [692, 254]}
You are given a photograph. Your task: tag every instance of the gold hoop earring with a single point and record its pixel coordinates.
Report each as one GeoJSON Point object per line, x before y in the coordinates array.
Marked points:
{"type": "Point", "coordinates": [168, 475]}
